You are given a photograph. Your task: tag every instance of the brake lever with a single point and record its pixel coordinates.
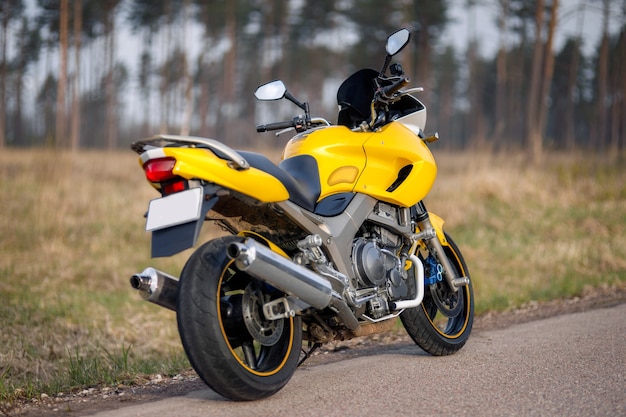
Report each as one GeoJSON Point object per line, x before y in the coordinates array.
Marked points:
{"type": "Point", "coordinates": [411, 90]}
{"type": "Point", "coordinates": [280, 132]}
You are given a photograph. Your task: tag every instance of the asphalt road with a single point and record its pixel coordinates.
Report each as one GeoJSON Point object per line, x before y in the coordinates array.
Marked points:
{"type": "Point", "coordinates": [569, 365]}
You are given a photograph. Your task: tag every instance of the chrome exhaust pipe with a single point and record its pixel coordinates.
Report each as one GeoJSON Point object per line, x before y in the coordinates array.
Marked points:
{"type": "Point", "coordinates": [293, 279]}
{"type": "Point", "coordinates": [157, 287]}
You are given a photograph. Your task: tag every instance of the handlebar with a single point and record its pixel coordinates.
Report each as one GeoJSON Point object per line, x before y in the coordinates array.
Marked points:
{"type": "Point", "coordinates": [388, 91]}
{"type": "Point", "coordinates": [275, 126]}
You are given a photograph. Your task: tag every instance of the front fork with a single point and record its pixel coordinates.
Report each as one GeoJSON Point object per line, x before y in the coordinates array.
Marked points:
{"type": "Point", "coordinates": [429, 235]}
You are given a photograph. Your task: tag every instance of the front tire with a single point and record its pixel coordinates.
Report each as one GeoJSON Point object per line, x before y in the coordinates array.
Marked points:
{"type": "Point", "coordinates": [233, 348]}
{"type": "Point", "coordinates": [442, 324]}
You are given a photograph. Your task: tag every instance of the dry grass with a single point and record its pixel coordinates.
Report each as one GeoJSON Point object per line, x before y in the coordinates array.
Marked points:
{"type": "Point", "coordinates": [71, 233]}
{"type": "Point", "coordinates": [534, 233]}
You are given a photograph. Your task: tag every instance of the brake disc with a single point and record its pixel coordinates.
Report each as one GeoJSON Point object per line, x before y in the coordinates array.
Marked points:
{"type": "Point", "coordinates": [449, 303]}
{"type": "Point", "coordinates": [266, 332]}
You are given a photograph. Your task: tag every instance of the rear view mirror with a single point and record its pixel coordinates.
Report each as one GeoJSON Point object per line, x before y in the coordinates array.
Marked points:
{"type": "Point", "coordinates": [398, 40]}
{"type": "Point", "coordinates": [273, 90]}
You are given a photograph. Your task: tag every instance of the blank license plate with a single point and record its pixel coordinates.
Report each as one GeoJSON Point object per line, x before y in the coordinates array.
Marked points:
{"type": "Point", "coordinates": [175, 209]}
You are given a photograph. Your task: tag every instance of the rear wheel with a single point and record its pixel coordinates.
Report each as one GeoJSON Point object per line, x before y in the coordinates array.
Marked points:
{"type": "Point", "coordinates": [229, 343]}
{"type": "Point", "coordinates": [442, 324]}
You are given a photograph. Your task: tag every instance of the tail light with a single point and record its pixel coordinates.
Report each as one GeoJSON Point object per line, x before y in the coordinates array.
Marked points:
{"type": "Point", "coordinates": [160, 171]}
{"type": "Point", "coordinates": [174, 187]}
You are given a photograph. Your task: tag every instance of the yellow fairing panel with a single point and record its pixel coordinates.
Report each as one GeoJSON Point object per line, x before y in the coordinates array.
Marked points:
{"type": "Point", "coordinates": [368, 162]}
{"type": "Point", "coordinates": [201, 163]}
{"type": "Point", "coordinates": [339, 154]}
{"type": "Point", "coordinates": [388, 151]}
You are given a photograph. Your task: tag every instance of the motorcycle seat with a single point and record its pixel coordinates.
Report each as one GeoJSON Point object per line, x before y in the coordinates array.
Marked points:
{"type": "Point", "coordinates": [298, 174]}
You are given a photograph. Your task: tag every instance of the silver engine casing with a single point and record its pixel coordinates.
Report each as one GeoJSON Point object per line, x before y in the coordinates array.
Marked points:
{"type": "Point", "coordinates": [377, 266]}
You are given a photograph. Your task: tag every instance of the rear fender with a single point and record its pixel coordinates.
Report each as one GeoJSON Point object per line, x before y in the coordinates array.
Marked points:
{"type": "Point", "coordinates": [197, 163]}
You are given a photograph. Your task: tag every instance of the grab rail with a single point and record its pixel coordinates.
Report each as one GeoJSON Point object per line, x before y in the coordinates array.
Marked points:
{"type": "Point", "coordinates": [223, 151]}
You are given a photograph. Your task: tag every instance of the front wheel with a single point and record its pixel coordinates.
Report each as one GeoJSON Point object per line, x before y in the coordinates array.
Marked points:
{"type": "Point", "coordinates": [443, 322]}
{"type": "Point", "coordinates": [229, 343]}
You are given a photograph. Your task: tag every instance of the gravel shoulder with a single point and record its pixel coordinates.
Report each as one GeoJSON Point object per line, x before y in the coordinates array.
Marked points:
{"type": "Point", "coordinates": [96, 399]}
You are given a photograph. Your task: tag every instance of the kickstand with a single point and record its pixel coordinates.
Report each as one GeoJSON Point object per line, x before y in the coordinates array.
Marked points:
{"type": "Point", "coordinates": [312, 348]}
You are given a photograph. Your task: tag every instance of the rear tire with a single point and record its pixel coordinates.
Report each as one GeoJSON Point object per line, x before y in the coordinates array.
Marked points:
{"type": "Point", "coordinates": [442, 324]}
{"type": "Point", "coordinates": [233, 348]}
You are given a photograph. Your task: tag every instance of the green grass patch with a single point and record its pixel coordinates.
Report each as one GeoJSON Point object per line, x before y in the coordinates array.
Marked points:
{"type": "Point", "coordinates": [78, 370]}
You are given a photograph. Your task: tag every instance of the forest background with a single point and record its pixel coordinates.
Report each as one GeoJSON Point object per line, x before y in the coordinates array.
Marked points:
{"type": "Point", "coordinates": [72, 77]}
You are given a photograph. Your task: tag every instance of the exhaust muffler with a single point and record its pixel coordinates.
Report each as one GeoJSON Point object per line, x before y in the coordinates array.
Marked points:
{"type": "Point", "coordinates": [157, 287]}
{"type": "Point", "coordinates": [266, 265]}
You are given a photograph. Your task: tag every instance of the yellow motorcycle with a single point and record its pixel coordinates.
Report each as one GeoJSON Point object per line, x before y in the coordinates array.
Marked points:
{"type": "Point", "coordinates": [332, 243]}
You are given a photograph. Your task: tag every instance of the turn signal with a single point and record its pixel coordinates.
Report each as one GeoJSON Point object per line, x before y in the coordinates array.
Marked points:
{"type": "Point", "coordinates": [159, 169]}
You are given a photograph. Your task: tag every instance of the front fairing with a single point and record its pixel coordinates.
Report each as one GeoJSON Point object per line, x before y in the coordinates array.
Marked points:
{"type": "Point", "coordinates": [339, 154]}
{"type": "Point", "coordinates": [393, 164]}
{"type": "Point", "coordinates": [400, 168]}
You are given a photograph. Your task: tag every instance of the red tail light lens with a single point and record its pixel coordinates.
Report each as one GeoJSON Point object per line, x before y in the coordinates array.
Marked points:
{"type": "Point", "coordinates": [160, 169]}
{"type": "Point", "coordinates": [174, 187]}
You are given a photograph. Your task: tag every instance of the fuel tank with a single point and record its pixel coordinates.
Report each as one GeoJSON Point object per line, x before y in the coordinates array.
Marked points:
{"type": "Point", "coordinates": [392, 165]}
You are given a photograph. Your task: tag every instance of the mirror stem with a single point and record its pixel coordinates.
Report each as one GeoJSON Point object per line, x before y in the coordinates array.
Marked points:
{"type": "Point", "coordinates": [303, 106]}
{"type": "Point", "coordinates": [385, 65]}
{"type": "Point", "coordinates": [294, 100]}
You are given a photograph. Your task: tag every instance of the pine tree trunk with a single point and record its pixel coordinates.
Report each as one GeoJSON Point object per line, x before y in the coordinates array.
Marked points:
{"type": "Point", "coordinates": [548, 71]}
{"type": "Point", "coordinates": [4, 34]}
{"type": "Point", "coordinates": [501, 74]}
{"type": "Point", "coordinates": [60, 132]}
{"type": "Point", "coordinates": [110, 128]}
{"type": "Point", "coordinates": [569, 105]}
{"type": "Point", "coordinates": [618, 102]}
{"type": "Point", "coordinates": [187, 79]}
{"type": "Point", "coordinates": [19, 84]}
{"type": "Point", "coordinates": [599, 139]}
{"type": "Point", "coordinates": [78, 27]}
{"type": "Point", "coordinates": [165, 71]}
{"type": "Point", "coordinates": [229, 75]}
{"type": "Point", "coordinates": [622, 86]}
{"type": "Point", "coordinates": [533, 130]}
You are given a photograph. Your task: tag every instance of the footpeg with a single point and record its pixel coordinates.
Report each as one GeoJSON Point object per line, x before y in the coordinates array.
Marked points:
{"type": "Point", "coordinates": [283, 308]}
{"type": "Point", "coordinates": [278, 309]}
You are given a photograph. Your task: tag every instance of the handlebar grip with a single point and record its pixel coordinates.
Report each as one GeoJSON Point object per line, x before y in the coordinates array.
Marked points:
{"type": "Point", "coordinates": [388, 91]}
{"type": "Point", "coordinates": [275, 126]}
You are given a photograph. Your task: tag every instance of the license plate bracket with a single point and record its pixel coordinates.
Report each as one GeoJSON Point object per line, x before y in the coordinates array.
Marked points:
{"type": "Point", "coordinates": [174, 209]}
